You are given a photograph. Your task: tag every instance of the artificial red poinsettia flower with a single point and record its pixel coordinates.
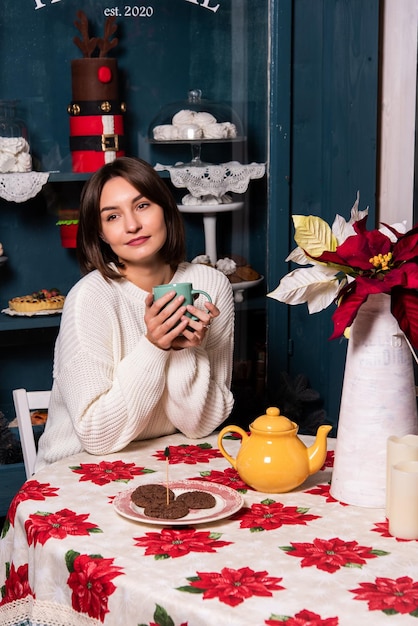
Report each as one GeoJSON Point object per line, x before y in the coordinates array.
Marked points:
{"type": "Point", "coordinates": [228, 477]}
{"type": "Point", "coordinates": [233, 586]}
{"type": "Point", "coordinates": [270, 514]}
{"type": "Point", "coordinates": [378, 265]}
{"type": "Point", "coordinates": [42, 526]}
{"type": "Point", "coordinates": [390, 595]}
{"type": "Point", "coordinates": [346, 263]}
{"type": "Point", "coordinates": [329, 555]}
{"type": "Point", "coordinates": [91, 583]}
{"type": "Point", "coordinates": [108, 471]}
{"type": "Point", "coordinates": [17, 585]}
{"type": "Point", "coordinates": [30, 490]}
{"type": "Point", "coordinates": [302, 618]}
{"type": "Point", "coordinates": [175, 543]}
{"type": "Point", "coordinates": [189, 454]}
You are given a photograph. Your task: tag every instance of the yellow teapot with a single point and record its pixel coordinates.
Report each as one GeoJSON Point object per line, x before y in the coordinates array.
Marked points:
{"type": "Point", "coordinates": [273, 459]}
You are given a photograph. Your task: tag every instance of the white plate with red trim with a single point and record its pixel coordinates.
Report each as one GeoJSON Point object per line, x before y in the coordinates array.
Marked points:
{"type": "Point", "coordinates": [228, 502]}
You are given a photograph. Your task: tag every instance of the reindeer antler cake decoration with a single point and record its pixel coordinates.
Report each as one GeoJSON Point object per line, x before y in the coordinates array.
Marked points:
{"type": "Point", "coordinates": [106, 43]}
{"type": "Point", "coordinates": [88, 44]}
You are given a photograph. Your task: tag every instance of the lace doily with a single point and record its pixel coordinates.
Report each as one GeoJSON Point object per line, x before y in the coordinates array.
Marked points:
{"type": "Point", "coordinates": [214, 179]}
{"type": "Point", "coordinates": [22, 186]}
{"type": "Point", "coordinates": [30, 611]}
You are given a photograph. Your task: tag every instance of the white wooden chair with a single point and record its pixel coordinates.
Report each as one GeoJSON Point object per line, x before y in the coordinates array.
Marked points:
{"type": "Point", "coordinates": [25, 402]}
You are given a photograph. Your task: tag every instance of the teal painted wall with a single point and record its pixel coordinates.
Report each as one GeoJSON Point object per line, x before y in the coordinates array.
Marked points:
{"type": "Point", "coordinates": [324, 146]}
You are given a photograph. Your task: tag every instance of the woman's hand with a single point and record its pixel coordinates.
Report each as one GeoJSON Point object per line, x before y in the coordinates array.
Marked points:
{"type": "Point", "coordinates": [196, 329]}
{"type": "Point", "coordinates": [165, 319]}
{"type": "Point", "coordinates": [169, 327]}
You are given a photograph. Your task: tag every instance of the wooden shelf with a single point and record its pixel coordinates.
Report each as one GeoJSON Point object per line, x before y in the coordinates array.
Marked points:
{"type": "Point", "coordinates": [9, 323]}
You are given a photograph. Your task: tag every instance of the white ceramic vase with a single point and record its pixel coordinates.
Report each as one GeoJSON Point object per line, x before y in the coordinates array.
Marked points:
{"type": "Point", "coordinates": [378, 401]}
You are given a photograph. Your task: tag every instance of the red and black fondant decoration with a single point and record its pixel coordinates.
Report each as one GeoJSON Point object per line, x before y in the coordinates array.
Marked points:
{"type": "Point", "coordinates": [96, 112]}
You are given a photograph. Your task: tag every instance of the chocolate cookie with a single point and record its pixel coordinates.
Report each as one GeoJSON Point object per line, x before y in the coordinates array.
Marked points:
{"type": "Point", "coordinates": [162, 510]}
{"type": "Point", "coordinates": [145, 495]}
{"type": "Point", "coordinates": [197, 499]}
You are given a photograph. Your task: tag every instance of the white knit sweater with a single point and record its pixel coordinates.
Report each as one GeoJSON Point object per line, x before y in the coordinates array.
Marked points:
{"type": "Point", "coordinates": [112, 386]}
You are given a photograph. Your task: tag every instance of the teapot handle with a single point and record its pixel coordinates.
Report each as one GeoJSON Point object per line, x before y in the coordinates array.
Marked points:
{"type": "Point", "coordinates": [230, 429]}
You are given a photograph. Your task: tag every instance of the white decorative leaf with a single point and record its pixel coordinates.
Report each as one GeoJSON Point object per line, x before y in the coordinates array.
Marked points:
{"type": "Point", "coordinates": [342, 229]}
{"type": "Point", "coordinates": [400, 227]}
{"type": "Point", "coordinates": [316, 285]}
{"type": "Point", "coordinates": [357, 215]}
{"type": "Point", "coordinates": [298, 256]}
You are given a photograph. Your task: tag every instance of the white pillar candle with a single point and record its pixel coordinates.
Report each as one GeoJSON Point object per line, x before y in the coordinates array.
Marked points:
{"type": "Point", "coordinates": [403, 508]}
{"type": "Point", "coordinates": [399, 449]}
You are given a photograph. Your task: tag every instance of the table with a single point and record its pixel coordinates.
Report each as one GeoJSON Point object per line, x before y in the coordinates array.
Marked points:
{"type": "Point", "coordinates": [297, 558]}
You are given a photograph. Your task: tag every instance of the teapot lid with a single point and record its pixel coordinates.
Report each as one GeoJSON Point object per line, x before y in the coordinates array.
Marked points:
{"type": "Point", "coordinates": [273, 422]}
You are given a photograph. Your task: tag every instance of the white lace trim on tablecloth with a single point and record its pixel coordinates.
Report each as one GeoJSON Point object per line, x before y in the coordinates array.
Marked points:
{"type": "Point", "coordinates": [30, 611]}
{"type": "Point", "coordinates": [19, 187]}
{"type": "Point", "coordinates": [214, 179]}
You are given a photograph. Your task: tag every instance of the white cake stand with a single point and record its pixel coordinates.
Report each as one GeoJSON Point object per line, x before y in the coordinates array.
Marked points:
{"type": "Point", "coordinates": [210, 212]}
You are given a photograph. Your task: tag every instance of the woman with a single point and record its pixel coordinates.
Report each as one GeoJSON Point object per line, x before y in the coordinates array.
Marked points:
{"type": "Point", "coordinates": [126, 367]}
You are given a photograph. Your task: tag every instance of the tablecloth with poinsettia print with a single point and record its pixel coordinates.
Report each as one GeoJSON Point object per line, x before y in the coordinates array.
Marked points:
{"type": "Point", "coordinates": [67, 558]}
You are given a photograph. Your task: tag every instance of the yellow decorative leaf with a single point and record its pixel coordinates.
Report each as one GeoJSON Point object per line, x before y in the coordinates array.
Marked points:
{"type": "Point", "coordinates": [313, 235]}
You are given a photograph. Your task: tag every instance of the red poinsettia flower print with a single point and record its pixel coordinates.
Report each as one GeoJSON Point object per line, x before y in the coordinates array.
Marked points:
{"type": "Point", "coordinates": [323, 490]}
{"type": "Point", "coordinates": [30, 490]}
{"type": "Point", "coordinates": [189, 454]}
{"type": "Point", "coordinates": [303, 618]}
{"type": "Point", "coordinates": [108, 471]}
{"type": "Point", "coordinates": [17, 584]}
{"type": "Point", "coordinates": [390, 595]}
{"type": "Point", "coordinates": [270, 514]}
{"type": "Point", "coordinates": [233, 586]}
{"type": "Point", "coordinates": [329, 459]}
{"type": "Point", "coordinates": [383, 529]}
{"type": "Point", "coordinates": [42, 526]}
{"type": "Point", "coordinates": [329, 555]}
{"type": "Point", "coordinates": [228, 477]}
{"type": "Point", "coordinates": [91, 583]}
{"type": "Point", "coordinates": [399, 278]}
{"type": "Point", "coordinates": [175, 543]}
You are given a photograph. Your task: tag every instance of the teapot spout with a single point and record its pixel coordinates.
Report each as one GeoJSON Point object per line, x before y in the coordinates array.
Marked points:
{"type": "Point", "coordinates": [317, 452]}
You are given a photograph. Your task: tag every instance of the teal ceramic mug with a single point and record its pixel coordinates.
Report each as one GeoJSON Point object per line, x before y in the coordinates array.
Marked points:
{"type": "Point", "coordinates": [181, 289]}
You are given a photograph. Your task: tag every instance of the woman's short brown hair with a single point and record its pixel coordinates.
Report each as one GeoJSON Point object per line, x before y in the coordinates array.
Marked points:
{"type": "Point", "coordinates": [92, 252]}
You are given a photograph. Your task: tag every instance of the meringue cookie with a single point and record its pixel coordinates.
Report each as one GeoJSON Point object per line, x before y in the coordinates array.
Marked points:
{"type": "Point", "coordinates": [14, 155]}
{"type": "Point", "coordinates": [165, 132]}
{"type": "Point", "coordinates": [208, 199]}
{"type": "Point", "coordinates": [202, 118]}
{"type": "Point", "coordinates": [189, 131]}
{"type": "Point", "coordinates": [184, 117]}
{"type": "Point", "coordinates": [231, 130]}
{"type": "Point", "coordinates": [202, 258]}
{"type": "Point", "coordinates": [227, 266]}
{"type": "Point", "coordinates": [215, 131]}
{"type": "Point", "coordinates": [226, 199]}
